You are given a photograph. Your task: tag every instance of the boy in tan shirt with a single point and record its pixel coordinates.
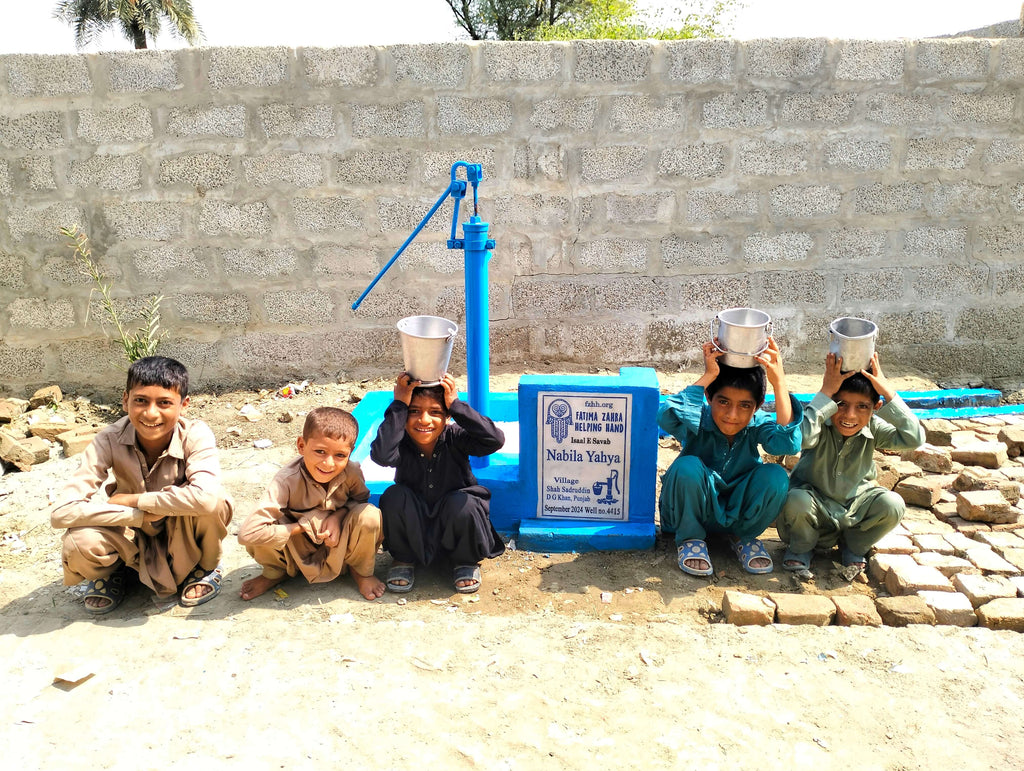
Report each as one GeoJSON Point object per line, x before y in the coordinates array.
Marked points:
{"type": "Point", "coordinates": [165, 513]}
{"type": "Point", "coordinates": [315, 517]}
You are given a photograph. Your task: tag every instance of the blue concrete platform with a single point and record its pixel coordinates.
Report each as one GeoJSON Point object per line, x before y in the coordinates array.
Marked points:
{"type": "Point", "coordinates": [558, 535]}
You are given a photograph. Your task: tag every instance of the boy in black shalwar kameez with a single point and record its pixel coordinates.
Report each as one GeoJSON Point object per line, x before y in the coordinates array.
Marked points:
{"type": "Point", "coordinates": [436, 508]}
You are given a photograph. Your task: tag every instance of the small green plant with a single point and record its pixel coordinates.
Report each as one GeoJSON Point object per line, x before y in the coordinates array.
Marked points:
{"type": "Point", "coordinates": [138, 344]}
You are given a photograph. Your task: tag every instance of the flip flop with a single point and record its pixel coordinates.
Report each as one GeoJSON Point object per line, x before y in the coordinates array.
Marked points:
{"type": "Point", "coordinates": [467, 573]}
{"type": "Point", "coordinates": [802, 558]}
{"type": "Point", "coordinates": [110, 588]}
{"type": "Point", "coordinates": [200, 577]}
{"type": "Point", "coordinates": [850, 559]}
{"type": "Point", "coordinates": [694, 549]}
{"type": "Point", "coordinates": [750, 550]}
{"type": "Point", "coordinates": [405, 573]}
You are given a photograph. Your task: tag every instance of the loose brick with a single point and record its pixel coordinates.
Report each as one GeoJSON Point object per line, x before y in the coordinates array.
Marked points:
{"type": "Point", "coordinates": [986, 560]}
{"type": "Point", "coordinates": [11, 408]}
{"type": "Point", "coordinates": [987, 454]}
{"type": "Point", "coordinates": [23, 452]}
{"type": "Point", "coordinates": [919, 491]}
{"type": "Point", "coordinates": [747, 609]}
{"type": "Point", "coordinates": [895, 544]}
{"type": "Point", "coordinates": [46, 396]}
{"type": "Point", "coordinates": [903, 611]}
{"type": "Point", "coordinates": [982, 589]}
{"type": "Point", "coordinates": [855, 610]}
{"type": "Point", "coordinates": [1005, 613]}
{"type": "Point", "coordinates": [963, 438]}
{"type": "Point", "coordinates": [77, 439]}
{"type": "Point", "coordinates": [939, 431]}
{"type": "Point", "coordinates": [814, 609]}
{"type": "Point", "coordinates": [880, 564]}
{"type": "Point", "coordinates": [1013, 438]}
{"type": "Point", "coordinates": [51, 429]}
{"type": "Point", "coordinates": [908, 579]}
{"type": "Point", "coordinates": [933, 542]}
{"type": "Point", "coordinates": [945, 510]}
{"type": "Point", "coordinates": [947, 564]}
{"type": "Point", "coordinates": [930, 525]}
{"type": "Point", "coordinates": [985, 506]}
{"type": "Point", "coordinates": [950, 608]}
{"type": "Point", "coordinates": [967, 528]}
{"type": "Point", "coordinates": [1018, 581]}
{"type": "Point", "coordinates": [908, 469]}
{"type": "Point", "coordinates": [1015, 557]}
{"type": "Point", "coordinates": [938, 460]}
{"type": "Point", "coordinates": [1001, 541]}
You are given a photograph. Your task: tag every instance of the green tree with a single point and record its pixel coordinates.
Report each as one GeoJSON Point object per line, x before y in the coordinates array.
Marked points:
{"type": "Point", "coordinates": [620, 20]}
{"type": "Point", "coordinates": [139, 20]}
{"type": "Point", "coordinates": [511, 19]}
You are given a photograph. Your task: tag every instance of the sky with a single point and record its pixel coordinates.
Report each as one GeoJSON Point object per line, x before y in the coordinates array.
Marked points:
{"type": "Point", "coordinates": [28, 25]}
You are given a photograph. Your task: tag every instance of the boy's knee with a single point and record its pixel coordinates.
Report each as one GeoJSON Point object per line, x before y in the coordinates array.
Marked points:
{"type": "Point", "coordinates": [799, 507]}
{"type": "Point", "coordinates": [688, 469]}
{"type": "Point", "coordinates": [771, 476]}
{"type": "Point", "coordinates": [394, 498]}
{"type": "Point", "coordinates": [365, 517]}
{"type": "Point", "coordinates": [888, 508]}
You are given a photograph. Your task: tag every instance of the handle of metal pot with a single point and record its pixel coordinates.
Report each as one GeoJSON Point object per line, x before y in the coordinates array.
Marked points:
{"type": "Point", "coordinates": [715, 326]}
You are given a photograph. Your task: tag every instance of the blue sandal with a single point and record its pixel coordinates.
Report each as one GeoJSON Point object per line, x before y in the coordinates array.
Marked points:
{"type": "Point", "coordinates": [750, 550]}
{"type": "Point", "coordinates": [694, 549]}
{"type": "Point", "coordinates": [200, 577]}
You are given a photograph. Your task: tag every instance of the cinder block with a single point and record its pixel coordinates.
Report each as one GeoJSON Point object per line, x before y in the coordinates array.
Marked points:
{"type": "Point", "coordinates": [883, 285]}
{"type": "Point", "coordinates": [215, 309]}
{"type": "Point", "coordinates": [705, 205]}
{"type": "Point", "coordinates": [896, 109]}
{"type": "Point", "coordinates": [167, 261]}
{"type": "Point", "coordinates": [109, 172]}
{"type": "Point", "coordinates": [41, 314]}
{"type": "Point", "coordinates": [147, 70]}
{"type": "Point", "coordinates": [1003, 152]}
{"type": "Point", "coordinates": [856, 245]}
{"type": "Point", "coordinates": [593, 341]}
{"type": "Point", "coordinates": [736, 110]}
{"type": "Point", "coordinates": [523, 61]}
{"type": "Point", "coordinates": [1004, 241]}
{"type": "Point", "coordinates": [437, 164]}
{"type": "Point", "coordinates": [855, 610]}
{"type": "Point", "coordinates": [285, 120]}
{"type": "Point", "coordinates": [5, 178]}
{"type": "Point", "coordinates": [18, 364]}
{"type": "Point", "coordinates": [783, 288]}
{"type": "Point", "coordinates": [864, 60]}
{"type": "Point", "coordinates": [372, 167]}
{"type": "Point", "coordinates": [32, 131]}
{"type": "Point", "coordinates": [991, 323]}
{"type": "Point", "coordinates": [461, 116]}
{"type": "Point", "coordinates": [982, 589]}
{"type": "Point", "coordinates": [204, 170]}
{"type": "Point", "coordinates": [145, 220]}
{"type": "Point", "coordinates": [858, 154]}
{"type": "Point", "coordinates": [904, 197]}
{"type": "Point", "coordinates": [712, 293]}
{"type": "Point", "coordinates": [223, 217]}
{"type": "Point", "coordinates": [298, 169]}
{"type": "Point", "coordinates": [299, 308]}
{"type": "Point", "coordinates": [327, 214]}
{"type": "Point", "coordinates": [402, 119]}
{"type": "Point", "coordinates": [614, 255]}
{"type": "Point", "coordinates": [43, 221]}
{"type": "Point", "coordinates": [744, 609]}
{"type": "Point", "coordinates": [953, 59]}
{"type": "Point", "coordinates": [939, 154]}
{"type": "Point", "coordinates": [805, 201]}
{"type": "Point", "coordinates": [575, 115]}
{"type": "Point", "coordinates": [813, 609]}
{"type": "Point", "coordinates": [630, 294]}
{"type": "Point", "coordinates": [544, 211]}
{"type": "Point", "coordinates": [680, 252]}
{"type": "Point", "coordinates": [699, 161]}
{"type": "Point", "coordinates": [351, 66]}
{"type": "Point", "coordinates": [224, 121]}
{"type": "Point", "coordinates": [599, 164]}
{"type": "Point", "coordinates": [778, 247]}
{"type": "Point", "coordinates": [995, 109]}
{"type": "Point", "coordinates": [950, 608]}
{"type": "Point", "coordinates": [832, 109]}
{"type": "Point", "coordinates": [904, 611]}
{"type": "Point", "coordinates": [785, 58]}
{"type": "Point", "coordinates": [962, 197]}
{"type": "Point", "coordinates": [118, 124]}
{"type": "Point", "coordinates": [247, 67]}
{"type": "Point", "coordinates": [43, 75]}
{"type": "Point", "coordinates": [612, 60]}
{"type": "Point", "coordinates": [434, 64]}
{"type": "Point", "coordinates": [259, 263]}
{"type": "Point", "coordinates": [639, 114]}
{"type": "Point", "coordinates": [1004, 613]}
{"type": "Point", "coordinates": [764, 158]}
{"type": "Point", "coordinates": [701, 61]}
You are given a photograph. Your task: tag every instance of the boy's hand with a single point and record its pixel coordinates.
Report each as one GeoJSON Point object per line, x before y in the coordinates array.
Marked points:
{"type": "Point", "coordinates": [711, 368]}
{"type": "Point", "coordinates": [451, 391]}
{"type": "Point", "coordinates": [878, 380]}
{"type": "Point", "coordinates": [330, 530]}
{"type": "Point", "coordinates": [834, 376]}
{"type": "Point", "coordinates": [404, 386]}
{"type": "Point", "coordinates": [771, 360]}
{"type": "Point", "coordinates": [131, 500]}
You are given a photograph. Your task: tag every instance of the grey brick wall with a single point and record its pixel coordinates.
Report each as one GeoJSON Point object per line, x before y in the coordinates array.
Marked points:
{"type": "Point", "coordinates": [633, 188]}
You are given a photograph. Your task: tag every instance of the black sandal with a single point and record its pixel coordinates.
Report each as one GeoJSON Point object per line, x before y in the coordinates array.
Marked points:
{"type": "Point", "coordinates": [111, 588]}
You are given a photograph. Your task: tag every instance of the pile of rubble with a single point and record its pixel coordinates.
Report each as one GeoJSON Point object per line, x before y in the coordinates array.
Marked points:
{"type": "Point", "coordinates": [957, 557]}
{"type": "Point", "coordinates": [30, 428]}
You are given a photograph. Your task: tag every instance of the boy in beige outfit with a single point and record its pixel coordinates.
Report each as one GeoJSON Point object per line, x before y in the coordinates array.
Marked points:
{"type": "Point", "coordinates": [165, 513]}
{"type": "Point", "coordinates": [315, 517]}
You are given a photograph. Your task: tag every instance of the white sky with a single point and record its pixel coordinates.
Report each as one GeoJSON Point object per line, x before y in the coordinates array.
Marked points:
{"type": "Point", "coordinates": [28, 27]}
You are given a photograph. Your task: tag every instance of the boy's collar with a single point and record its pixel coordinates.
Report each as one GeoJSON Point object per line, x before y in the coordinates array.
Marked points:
{"type": "Point", "coordinates": [174, 448]}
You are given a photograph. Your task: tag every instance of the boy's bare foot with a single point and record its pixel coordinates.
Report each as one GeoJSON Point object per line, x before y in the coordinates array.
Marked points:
{"type": "Point", "coordinates": [371, 587]}
{"type": "Point", "coordinates": [254, 587]}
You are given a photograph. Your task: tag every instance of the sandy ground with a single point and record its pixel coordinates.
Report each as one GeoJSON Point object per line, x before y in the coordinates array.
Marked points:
{"type": "Point", "coordinates": [595, 660]}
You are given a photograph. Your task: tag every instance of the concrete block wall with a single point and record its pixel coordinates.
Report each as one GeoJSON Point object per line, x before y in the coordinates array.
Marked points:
{"type": "Point", "coordinates": [634, 189]}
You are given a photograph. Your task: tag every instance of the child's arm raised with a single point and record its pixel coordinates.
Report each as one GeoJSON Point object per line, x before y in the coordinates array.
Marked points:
{"type": "Point", "coordinates": [479, 435]}
{"type": "Point", "coordinates": [897, 428]}
{"type": "Point", "coordinates": [384, 447]}
{"type": "Point", "coordinates": [680, 414]}
{"type": "Point", "coordinates": [771, 360]}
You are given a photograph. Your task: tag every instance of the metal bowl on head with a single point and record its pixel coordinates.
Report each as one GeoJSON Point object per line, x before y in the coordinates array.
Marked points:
{"type": "Point", "coordinates": [853, 340]}
{"type": "Point", "coordinates": [427, 343]}
{"type": "Point", "coordinates": [741, 334]}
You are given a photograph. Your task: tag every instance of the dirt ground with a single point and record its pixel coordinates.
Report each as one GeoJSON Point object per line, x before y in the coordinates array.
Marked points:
{"type": "Point", "coordinates": [611, 659]}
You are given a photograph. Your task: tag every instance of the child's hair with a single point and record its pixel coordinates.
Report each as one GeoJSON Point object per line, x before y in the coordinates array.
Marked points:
{"type": "Point", "coordinates": [858, 384]}
{"type": "Point", "coordinates": [331, 422]}
{"type": "Point", "coordinates": [750, 379]}
{"type": "Point", "coordinates": [159, 371]}
{"type": "Point", "coordinates": [434, 392]}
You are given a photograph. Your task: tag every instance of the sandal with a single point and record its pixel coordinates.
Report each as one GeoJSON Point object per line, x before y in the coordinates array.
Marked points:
{"type": "Point", "coordinates": [200, 577]}
{"type": "Point", "coordinates": [853, 560]}
{"type": "Point", "coordinates": [750, 550]}
{"type": "Point", "coordinates": [802, 558]}
{"type": "Point", "coordinates": [467, 573]}
{"type": "Point", "coordinates": [405, 573]}
{"type": "Point", "coordinates": [110, 588]}
{"type": "Point", "coordinates": [694, 549]}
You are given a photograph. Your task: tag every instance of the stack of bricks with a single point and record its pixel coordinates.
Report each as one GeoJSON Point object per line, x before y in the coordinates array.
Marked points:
{"type": "Point", "coordinates": [29, 428]}
{"type": "Point", "coordinates": [958, 555]}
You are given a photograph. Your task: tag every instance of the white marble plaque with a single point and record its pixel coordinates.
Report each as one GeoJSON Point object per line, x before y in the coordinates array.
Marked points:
{"type": "Point", "coordinates": [584, 455]}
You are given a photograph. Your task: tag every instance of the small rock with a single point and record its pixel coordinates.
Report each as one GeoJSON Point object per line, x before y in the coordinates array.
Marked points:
{"type": "Point", "coordinates": [45, 396]}
{"type": "Point", "coordinates": [262, 444]}
{"type": "Point", "coordinates": [286, 417]}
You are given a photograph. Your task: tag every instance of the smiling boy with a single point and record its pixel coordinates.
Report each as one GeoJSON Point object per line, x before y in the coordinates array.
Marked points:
{"type": "Point", "coordinates": [718, 484]}
{"type": "Point", "coordinates": [165, 513]}
{"type": "Point", "coordinates": [315, 517]}
{"type": "Point", "coordinates": [832, 496]}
